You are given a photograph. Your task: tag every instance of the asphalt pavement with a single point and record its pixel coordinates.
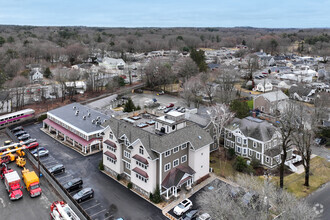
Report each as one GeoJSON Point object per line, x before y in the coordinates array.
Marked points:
{"type": "Point", "coordinates": [320, 200]}
{"type": "Point", "coordinates": [111, 199]}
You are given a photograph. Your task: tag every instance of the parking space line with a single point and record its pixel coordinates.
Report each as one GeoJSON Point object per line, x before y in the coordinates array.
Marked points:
{"type": "Point", "coordinates": [92, 206]}
{"type": "Point", "coordinates": [49, 158]}
{"type": "Point", "coordinates": [99, 212]}
{"type": "Point", "coordinates": [49, 162]}
{"type": "Point", "coordinates": [87, 201]}
{"type": "Point", "coordinates": [63, 177]}
{"type": "Point", "coordinates": [108, 217]}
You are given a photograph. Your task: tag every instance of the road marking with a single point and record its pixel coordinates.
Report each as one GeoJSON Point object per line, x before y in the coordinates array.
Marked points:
{"type": "Point", "coordinates": [49, 162]}
{"type": "Point", "coordinates": [43, 160]}
{"type": "Point", "coordinates": [318, 208]}
{"type": "Point", "coordinates": [108, 216]}
{"type": "Point", "coordinates": [92, 206]}
{"type": "Point", "coordinates": [3, 204]}
{"type": "Point", "coordinates": [87, 201]}
{"type": "Point", "coordinates": [99, 212]}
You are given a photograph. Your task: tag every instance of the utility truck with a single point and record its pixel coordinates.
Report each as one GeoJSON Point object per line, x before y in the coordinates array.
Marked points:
{"type": "Point", "coordinates": [12, 184]}
{"type": "Point", "coordinates": [31, 182]}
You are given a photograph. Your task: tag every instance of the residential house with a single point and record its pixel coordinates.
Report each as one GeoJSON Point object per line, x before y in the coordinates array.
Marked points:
{"type": "Point", "coordinates": [271, 102]}
{"type": "Point", "coordinates": [78, 126]}
{"type": "Point", "coordinates": [264, 86]}
{"type": "Point", "coordinates": [166, 152]}
{"type": "Point", "coordinates": [36, 75]}
{"type": "Point", "coordinates": [254, 138]}
{"type": "Point", "coordinates": [302, 93]}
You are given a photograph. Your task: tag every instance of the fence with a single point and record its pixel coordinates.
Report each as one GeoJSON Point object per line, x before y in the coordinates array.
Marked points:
{"type": "Point", "coordinates": [82, 214]}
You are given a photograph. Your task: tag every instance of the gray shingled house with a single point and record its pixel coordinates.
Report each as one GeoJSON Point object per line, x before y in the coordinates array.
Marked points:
{"type": "Point", "coordinates": [255, 138]}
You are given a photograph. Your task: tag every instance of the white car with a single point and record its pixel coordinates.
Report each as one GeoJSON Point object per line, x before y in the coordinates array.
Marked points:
{"type": "Point", "coordinates": [204, 216]}
{"type": "Point", "coordinates": [161, 107]}
{"type": "Point", "coordinates": [183, 207]}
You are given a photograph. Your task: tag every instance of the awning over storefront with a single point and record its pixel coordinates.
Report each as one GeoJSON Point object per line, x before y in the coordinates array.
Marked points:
{"type": "Point", "coordinates": [68, 133]}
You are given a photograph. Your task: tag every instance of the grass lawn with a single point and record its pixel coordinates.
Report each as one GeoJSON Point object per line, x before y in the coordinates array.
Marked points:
{"type": "Point", "coordinates": [320, 174]}
{"type": "Point", "coordinates": [250, 104]}
{"type": "Point", "coordinates": [225, 170]}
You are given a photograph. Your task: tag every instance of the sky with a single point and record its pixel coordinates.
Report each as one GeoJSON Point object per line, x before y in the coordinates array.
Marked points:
{"type": "Point", "coordinates": [167, 13]}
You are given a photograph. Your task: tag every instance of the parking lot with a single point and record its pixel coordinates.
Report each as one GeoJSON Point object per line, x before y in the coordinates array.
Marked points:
{"type": "Point", "coordinates": [26, 207]}
{"type": "Point", "coordinates": [111, 200]}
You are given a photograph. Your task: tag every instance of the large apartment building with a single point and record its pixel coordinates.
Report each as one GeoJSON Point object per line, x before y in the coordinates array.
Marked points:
{"type": "Point", "coordinates": [166, 152]}
{"type": "Point", "coordinates": [78, 126]}
{"type": "Point", "coordinates": [254, 138]}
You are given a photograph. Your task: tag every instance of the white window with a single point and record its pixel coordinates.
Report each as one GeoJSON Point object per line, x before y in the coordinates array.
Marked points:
{"type": "Point", "coordinates": [141, 178]}
{"type": "Point", "coordinates": [254, 144]}
{"type": "Point", "coordinates": [167, 153]}
{"type": "Point", "coordinates": [229, 134]}
{"type": "Point", "coordinates": [176, 149]}
{"type": "Point", "coordinates": [244, 141]}
{"type": "Point", "coordinates": [111, 160]}
{"type": "Point", "coordinates": [250, 152]}
{"type": "Point", "coordinates": [258, 156]}
{"type": "Point", "coordinates": [244, 151]}
{"type": "Point", "coordinates": [111, 148]}
{"type": "Point", "coordinates": [238, 149]}
{"type": "Point", "coordinates": [183, 158]}
{"type": "Point", "coordinates": [128, 166]}
{"type": "Point", "coordinates": [277, 158]}
{"type": "Point", "coordinates": [239, 140]}
{"type": "Point", "coordinates": [267, 159]}
{"type": "Point", "coordinates": [232, 144]}
{"type": "Point", "coordinates": [175, 162]}
{"type": "Point", "coordinates": [167, 167]}
{"type": "Point", "coordinates": [184, 146]}
{"type": "Point", "coordinates": [141, 164]}
{"type": "Point", "coordinates": [227, 143]}
{"type": "Point", "coordinates": [141, 150]}
{"type": "Point", "coordinates": [275, 143]}
{"type": "Point", "coordinates": [127, 154]}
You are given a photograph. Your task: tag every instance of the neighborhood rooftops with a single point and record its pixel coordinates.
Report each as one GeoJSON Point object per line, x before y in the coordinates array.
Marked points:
{"type": "Point", "coordinates": [80, 116]}
{"type": "Point", "coordinates": [274, 96]}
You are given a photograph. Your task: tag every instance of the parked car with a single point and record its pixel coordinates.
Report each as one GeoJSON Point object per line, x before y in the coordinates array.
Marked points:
{"type": "Point", "coordinates": [24, 137]}
{"type": "Point", "coordinates": [29, 141]}
{"type": "Point", "coordinates": [320, 141]}
{"type": "Point", "coordinates": [138, 91]}
{"type": "Point", "coordinates": [42, 153]}
{"type": "Point", "coordinates": [183, 207]}
{"type": "Point", "coordinates": [168, 110]}
{"type": "Point", "coordinates": [177, 108]}
{"type": "Point", "coordinates": [161, 93]}
{"type": "Point", "coordinates": [204, 216]}
{"type": "Point", "coordinates": [8, 142]}
{"type": "Point", "coordinates": [19, 133]}
{"type": "Point", "coordinates": [170, 105]}
{"type": "Point", "coordinates": [36, 150]}
{"type": "Point", "coordinates": [84, 194]}
{"type": "Point", "coordinates": [17, 129]}
{"type": "Point", "coordinates": [73, 185]}
{"type": "Point", "coordinates": [59, 168]}
{"type": "Point", "coordinates": [190, 215]}
{"type": "Point", "coordinates": [32, 145]}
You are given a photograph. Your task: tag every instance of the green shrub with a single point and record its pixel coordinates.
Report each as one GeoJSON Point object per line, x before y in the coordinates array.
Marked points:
{"type": "Point", "coordinates": [101, 166]}
{"type": "Point", "coordinates": [118, 177]}
{"type": "Point", "coordinates": [230, 153]}
{"type": "Point", "coordinates": [240, 164]}
{"type": "Point", "coordinates": [42, 117]}
{"type": "Point", "coordinates": [155, 197]}
{"type": "Point", "coordinates": [130, 185]}
{"type": "Point", "coordinates": [255, 163]}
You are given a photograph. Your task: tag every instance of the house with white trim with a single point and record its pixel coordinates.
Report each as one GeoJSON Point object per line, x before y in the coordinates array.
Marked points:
{"type": "Point", "coordinates": [78, 126]}
{"type": "Point", "coordinates": [156, 151]}
{"type": "Point", "coordinates": [253, 138]}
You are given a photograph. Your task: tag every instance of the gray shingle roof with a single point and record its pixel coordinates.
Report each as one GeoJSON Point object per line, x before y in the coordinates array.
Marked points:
{"type": "Point", "coordinates": [153, 143]}
{"type": "Point", "coordinates": [300, 90]}
{"type": "Point", "coordinates": [67, 113]}
{"type": "Point", "coordinates": [274, 96]}
{"type": "Point", "coordinates": [262, 130]}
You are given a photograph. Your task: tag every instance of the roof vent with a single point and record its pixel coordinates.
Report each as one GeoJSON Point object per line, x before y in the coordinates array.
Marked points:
{"type": "Point", "coordinates": [105, 120]}
{"type": "Point", "coordinates": [93, 121]}
{"type": "Point", "coordinates": [199, 137]}
{"type": "Point", "coordinates": [84, 117]}
{"type": "Point", "coordinates": [89, 114]}
{"type": "Point", "coordinates": [74, 107]}
{"type": "Point", "coordinates": [98, 122]}
{"type": "Point", "coordinates": [77, 112]}
{"type": "Point", "coordinates": [98, 118]}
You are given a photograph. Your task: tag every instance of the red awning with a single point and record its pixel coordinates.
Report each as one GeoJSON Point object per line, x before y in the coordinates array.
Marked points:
{"type": "Point", "coordinates": [110, 143]}
{"type": "Point", "coordinates": [141, 172]}
{"type": "Point", "coordinates": [109, 154]}
{"type": "Point", "coordinates": [141, 159]}
{"type": "Point", "coordinates": [69, 133]}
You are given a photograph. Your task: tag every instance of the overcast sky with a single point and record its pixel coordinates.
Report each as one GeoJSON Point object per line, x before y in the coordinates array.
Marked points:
{"type": "Point", "coordinates": [167, 13]}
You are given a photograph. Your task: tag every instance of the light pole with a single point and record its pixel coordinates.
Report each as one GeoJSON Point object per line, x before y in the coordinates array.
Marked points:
{"type": "Point", "coordinates": [38, 162]}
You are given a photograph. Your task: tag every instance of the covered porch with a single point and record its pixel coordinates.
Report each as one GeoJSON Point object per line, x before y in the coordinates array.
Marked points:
{"type": "Point", "coordinates": [178, 177]}
{"type": "Point", "coordinates": [68, 137]}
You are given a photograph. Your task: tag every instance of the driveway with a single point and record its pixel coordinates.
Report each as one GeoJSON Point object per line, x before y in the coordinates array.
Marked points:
{"type": "Point", "coordinates": [320, 200]}
{"type": "Point", "coordinates": [111, 199]}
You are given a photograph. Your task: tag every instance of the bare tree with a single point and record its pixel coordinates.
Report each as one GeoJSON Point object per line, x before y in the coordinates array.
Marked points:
{"type": "Point", "coordinates": [226, 79]}
{"type": "Point", "coordinates": [220, 202]}
{"type": "Point", "coordinates": [186, 68]}
{"type": "Point", "coordinates": [18, 86]}
{"type": "Point", "coordinates": [193, 89]}
{"type": "Point", "coordinates": [252, 66]}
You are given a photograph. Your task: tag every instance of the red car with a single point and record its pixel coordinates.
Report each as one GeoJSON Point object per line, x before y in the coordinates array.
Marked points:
{"type": "Point", "coordinates": [32, 145]}
{"type": "Point", "coordinates": [170, 105]}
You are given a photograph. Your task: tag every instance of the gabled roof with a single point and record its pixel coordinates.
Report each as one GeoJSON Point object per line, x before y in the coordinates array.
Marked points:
{"type": "Point", "coordinates": [274, 96]}
{"type": "Point", "coordinates": [300, 90]}
{"type": "Point", "coordinates": [155, 143]}
{"type": "Point", "coordinates": [254, 128]}
{"type": "Point", "coordinates": [174, 177]}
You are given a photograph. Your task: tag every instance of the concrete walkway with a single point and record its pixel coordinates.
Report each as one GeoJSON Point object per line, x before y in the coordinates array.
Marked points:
{"type": "Point", "coordinates": [300, 168]}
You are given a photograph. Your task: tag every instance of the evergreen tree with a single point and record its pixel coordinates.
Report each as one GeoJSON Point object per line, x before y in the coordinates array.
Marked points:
{"type": "Point", "coordinates": [129, 106]}
{"type": "Point", "coordinates": [47, 73]}
{"type": "Point", "coordinates": [199, 58]}
{"type": "Point", "coordinates": [240, 108]}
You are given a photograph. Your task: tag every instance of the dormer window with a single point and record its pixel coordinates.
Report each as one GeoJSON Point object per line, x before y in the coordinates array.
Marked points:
{"type": "Point", "coordinates": [141, 150]}
{"type": "Point", "coordinates": [229, 134]}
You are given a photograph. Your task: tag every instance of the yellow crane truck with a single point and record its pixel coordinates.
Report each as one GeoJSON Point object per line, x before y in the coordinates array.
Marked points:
{"type": "Point", "coordinates": [31, 182]}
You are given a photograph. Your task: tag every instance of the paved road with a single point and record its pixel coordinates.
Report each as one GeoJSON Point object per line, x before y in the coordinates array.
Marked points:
{"type": "Point", "coordinates": [111, 199]}
{"type": "Point", "coordinates": [320, 200]}
{"type": "Point", "coordinates": [321, 151]}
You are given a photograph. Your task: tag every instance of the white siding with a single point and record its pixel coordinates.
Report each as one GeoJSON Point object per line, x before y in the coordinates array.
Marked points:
{"type": "Point", "coordinates": [118, 168]}
{"type": "Point", "coordinates": [200, 161]}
